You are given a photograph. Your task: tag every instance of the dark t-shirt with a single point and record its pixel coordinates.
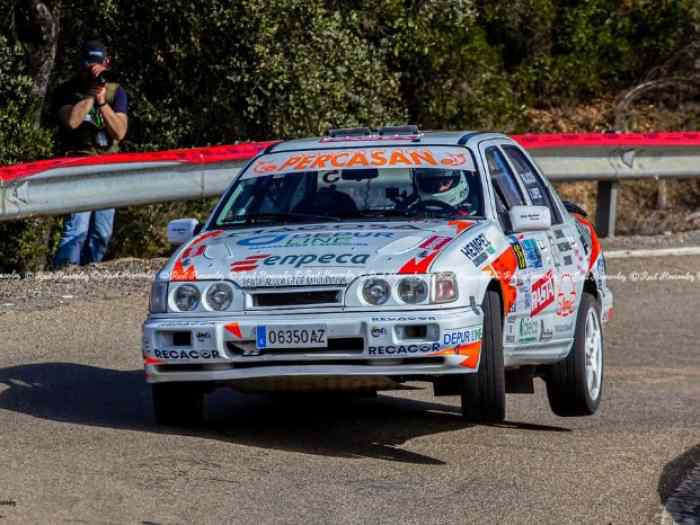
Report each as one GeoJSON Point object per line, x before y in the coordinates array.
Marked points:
{"type": "Point", "coordinates": [67, 94]}
{"type": "Point", "coordinates": [91, 133]}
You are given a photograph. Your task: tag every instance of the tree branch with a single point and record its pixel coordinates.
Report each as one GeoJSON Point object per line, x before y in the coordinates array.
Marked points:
{"type": "Point", "coordinates": [37, 30]}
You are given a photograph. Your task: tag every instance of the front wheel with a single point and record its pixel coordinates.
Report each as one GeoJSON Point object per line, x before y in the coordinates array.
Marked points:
{"type": "Point", "coordinates": [178, 404]}
{"type": "Point", "coordinates": [484, 393]}
{"type": "Point", "coordinates": [575, 385]}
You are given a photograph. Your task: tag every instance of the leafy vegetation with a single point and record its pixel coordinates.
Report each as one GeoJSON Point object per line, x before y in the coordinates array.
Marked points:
{"type": "Point", "coordinates": [221, 71]}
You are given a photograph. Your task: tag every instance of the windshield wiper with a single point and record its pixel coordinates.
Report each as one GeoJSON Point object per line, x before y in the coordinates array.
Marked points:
{"type": "Point", "coordinates": [255, 218]}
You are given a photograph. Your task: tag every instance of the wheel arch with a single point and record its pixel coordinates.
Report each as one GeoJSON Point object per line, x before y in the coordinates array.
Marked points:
{"type": "Point", "coordinates": [590, 286]}
{"type": "Point", "coordinates": [495, 286]}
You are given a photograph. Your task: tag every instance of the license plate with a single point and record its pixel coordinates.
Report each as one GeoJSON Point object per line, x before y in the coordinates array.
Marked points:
{"type": "Point", "coordinates": [282, 336]}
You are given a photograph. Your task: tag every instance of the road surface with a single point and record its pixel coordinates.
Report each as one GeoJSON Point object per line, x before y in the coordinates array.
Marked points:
{"type": "Point", "coordinates": [78, 443]}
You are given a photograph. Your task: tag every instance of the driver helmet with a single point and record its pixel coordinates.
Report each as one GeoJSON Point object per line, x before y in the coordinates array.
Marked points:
{"type": "Point", "coordinates": [448, 186]}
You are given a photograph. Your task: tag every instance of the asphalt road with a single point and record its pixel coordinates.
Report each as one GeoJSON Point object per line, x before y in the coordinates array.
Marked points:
{"type": "Point", "coordinates": [78, 443]}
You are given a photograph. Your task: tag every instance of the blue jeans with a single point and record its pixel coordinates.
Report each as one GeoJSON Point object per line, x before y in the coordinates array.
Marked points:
{"type": "Point", "coordinates": [85, 237]}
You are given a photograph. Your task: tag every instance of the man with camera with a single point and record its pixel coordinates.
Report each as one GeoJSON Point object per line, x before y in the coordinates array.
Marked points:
{"type": "Point", "coordinates": [93, 120]}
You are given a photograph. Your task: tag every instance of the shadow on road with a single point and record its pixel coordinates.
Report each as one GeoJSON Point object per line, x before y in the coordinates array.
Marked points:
{"type": "Point", "coordinates": [676, 471]}
{"type": "Point", "coordinates": [334, 426]}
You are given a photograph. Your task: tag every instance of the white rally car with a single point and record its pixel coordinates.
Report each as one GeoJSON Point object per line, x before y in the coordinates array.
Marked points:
{"type": "Point", "coordinates": [368, 258]}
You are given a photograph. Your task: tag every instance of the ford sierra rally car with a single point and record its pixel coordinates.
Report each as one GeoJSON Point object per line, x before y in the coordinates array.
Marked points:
{"type": "Point", "coordinates": [369, 258]}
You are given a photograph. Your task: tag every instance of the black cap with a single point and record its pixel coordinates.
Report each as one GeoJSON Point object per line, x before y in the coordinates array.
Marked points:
{"type": "Point", "coordinates": [94, 52]}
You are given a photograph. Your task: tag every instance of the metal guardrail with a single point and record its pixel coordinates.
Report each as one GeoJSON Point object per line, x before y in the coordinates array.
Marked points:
{"type": "Point", "coordinates": [65, 185]}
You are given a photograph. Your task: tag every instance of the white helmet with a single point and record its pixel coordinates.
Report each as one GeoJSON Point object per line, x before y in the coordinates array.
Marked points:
{"type": "Point", "coordinates": [448, 186]}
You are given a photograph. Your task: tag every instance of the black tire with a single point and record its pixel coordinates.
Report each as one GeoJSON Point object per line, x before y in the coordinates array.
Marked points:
{"type": "Point", "coordinates": [178, 404]}
{"type": "Point", "coordinates": [567, 387]}
{"type": "Point", "coordinates": [484, 393]}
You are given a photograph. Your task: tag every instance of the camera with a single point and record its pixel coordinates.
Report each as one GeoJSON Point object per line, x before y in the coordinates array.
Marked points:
{"type": "Point", "coordinates": [100, 80]}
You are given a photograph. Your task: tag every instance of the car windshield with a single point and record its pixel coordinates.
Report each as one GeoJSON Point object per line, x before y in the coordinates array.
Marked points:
{"type": "Point", "coordinates": [358, 183]}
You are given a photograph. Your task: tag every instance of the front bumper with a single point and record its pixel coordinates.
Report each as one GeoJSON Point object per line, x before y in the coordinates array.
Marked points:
{"type": "Point", "coordinates": [416, 343]}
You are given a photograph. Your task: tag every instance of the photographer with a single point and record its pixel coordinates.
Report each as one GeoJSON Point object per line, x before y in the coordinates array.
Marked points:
{"type": "Point", "coordinates": [93, 120]}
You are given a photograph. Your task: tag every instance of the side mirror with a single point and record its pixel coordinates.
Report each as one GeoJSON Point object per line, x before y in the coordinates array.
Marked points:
{"type": "Point", "coordinates": [182, 230]}
{"type": "Point", "coordinates": [530, 218]}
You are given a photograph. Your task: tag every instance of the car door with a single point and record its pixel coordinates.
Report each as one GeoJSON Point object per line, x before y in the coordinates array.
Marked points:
{"type": "Point", "coordinates": [529, 323]}
{"type": "Point", "coordinates": [562, 240]}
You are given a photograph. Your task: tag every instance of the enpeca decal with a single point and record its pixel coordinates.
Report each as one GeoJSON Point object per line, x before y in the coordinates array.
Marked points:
{"type": "Point", "coordinates": [542, 293]}
{"type": "Point", "coordinates": [253, 262]}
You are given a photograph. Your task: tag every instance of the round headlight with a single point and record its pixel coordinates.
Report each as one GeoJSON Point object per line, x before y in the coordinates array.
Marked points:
{"type": "Point", "coordinates": [187, 298]}
{"type": "Point", "coordinates": [219, 296]}
{"type": "Point", "coordinates": [376, 291]}
{"type": "Point", "coordinates": [413, 290]}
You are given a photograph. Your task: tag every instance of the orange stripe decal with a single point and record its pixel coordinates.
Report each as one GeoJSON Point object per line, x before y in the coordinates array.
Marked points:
{"type": "Point", "coordinates": [473, 353]}
{"type": "Point", "coordinates": [234, 329]}
{"type": "Point", "coordinates": [461, 226]}
{"type": "Point", "coordinates": [503, 269]}
{"type": "Point", "coordinates": [188, 272]}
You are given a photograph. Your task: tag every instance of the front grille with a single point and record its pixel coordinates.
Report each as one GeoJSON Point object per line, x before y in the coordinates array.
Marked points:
{"type": "Point", "coordinates": [277, 299]}
{"type": "Point", "coordinates": [346, 345]}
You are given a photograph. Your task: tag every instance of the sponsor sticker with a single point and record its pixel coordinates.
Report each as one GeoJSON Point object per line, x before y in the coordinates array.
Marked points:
{"type": "Point", "coordinates": [478, 249]}
{"type": "Point", "coordinates": [564, 328]}
{"type": "Point", "coordinates": [546, 333]}
{"type": "Point", "coordinates": [542, 293]}
{"type": "Point", "coordinates": [566, 298]}
{"type": "Point", "coordinates": [252, 262]}
{"type": "Point", "coordinates": [305, 240]}
{"type": "Point", "coordinates": [533, 256]}
{"type": "Point", "coordinates": [528, 178]}
{"type": "Point", "coordinates": [400, 319]}
{"type": "Point", "coordinates": [564, 246]}
{"type": "Point", "coordinates": [187, 354]}
{"type": "Point", "coordinates": [361, 158]}
{"type": "Point", "coordinates": [461, 336]}
{"type": "Point", "coordinates": [519, 255]}
{"type": "Point", "coordinates": [535, 193]}
{"type": "Point", "coordinates": [403, 349]}
{"type": "Point", "coordinates": [528, 330]}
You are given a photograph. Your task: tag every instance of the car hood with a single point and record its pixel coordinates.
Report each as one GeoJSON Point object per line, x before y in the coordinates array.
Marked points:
{"type": "Point", "coordinates": [314, 254]}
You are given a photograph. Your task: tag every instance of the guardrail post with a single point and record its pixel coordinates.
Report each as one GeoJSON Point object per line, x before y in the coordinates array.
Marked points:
{"type": "Point", "coordinates": [607, 208]}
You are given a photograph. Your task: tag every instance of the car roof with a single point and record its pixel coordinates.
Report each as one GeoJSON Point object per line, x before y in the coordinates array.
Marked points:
{"type": "Point", "coordinates": [424, 138]}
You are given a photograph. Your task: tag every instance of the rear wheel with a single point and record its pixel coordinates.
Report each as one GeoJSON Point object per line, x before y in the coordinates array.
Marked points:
{"type": "Point", "coordinates": [575, 385]}
{"type": "Point", "coordinates": [484, 393]}
{"type": "Point", "coordinates": [178, 404]}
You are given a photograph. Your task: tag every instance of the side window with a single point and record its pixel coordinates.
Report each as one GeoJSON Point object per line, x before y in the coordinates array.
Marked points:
{"type": "Point", "coordinates": [502, 179]}
{"type": "Point", "coordinates": [538, 191]}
